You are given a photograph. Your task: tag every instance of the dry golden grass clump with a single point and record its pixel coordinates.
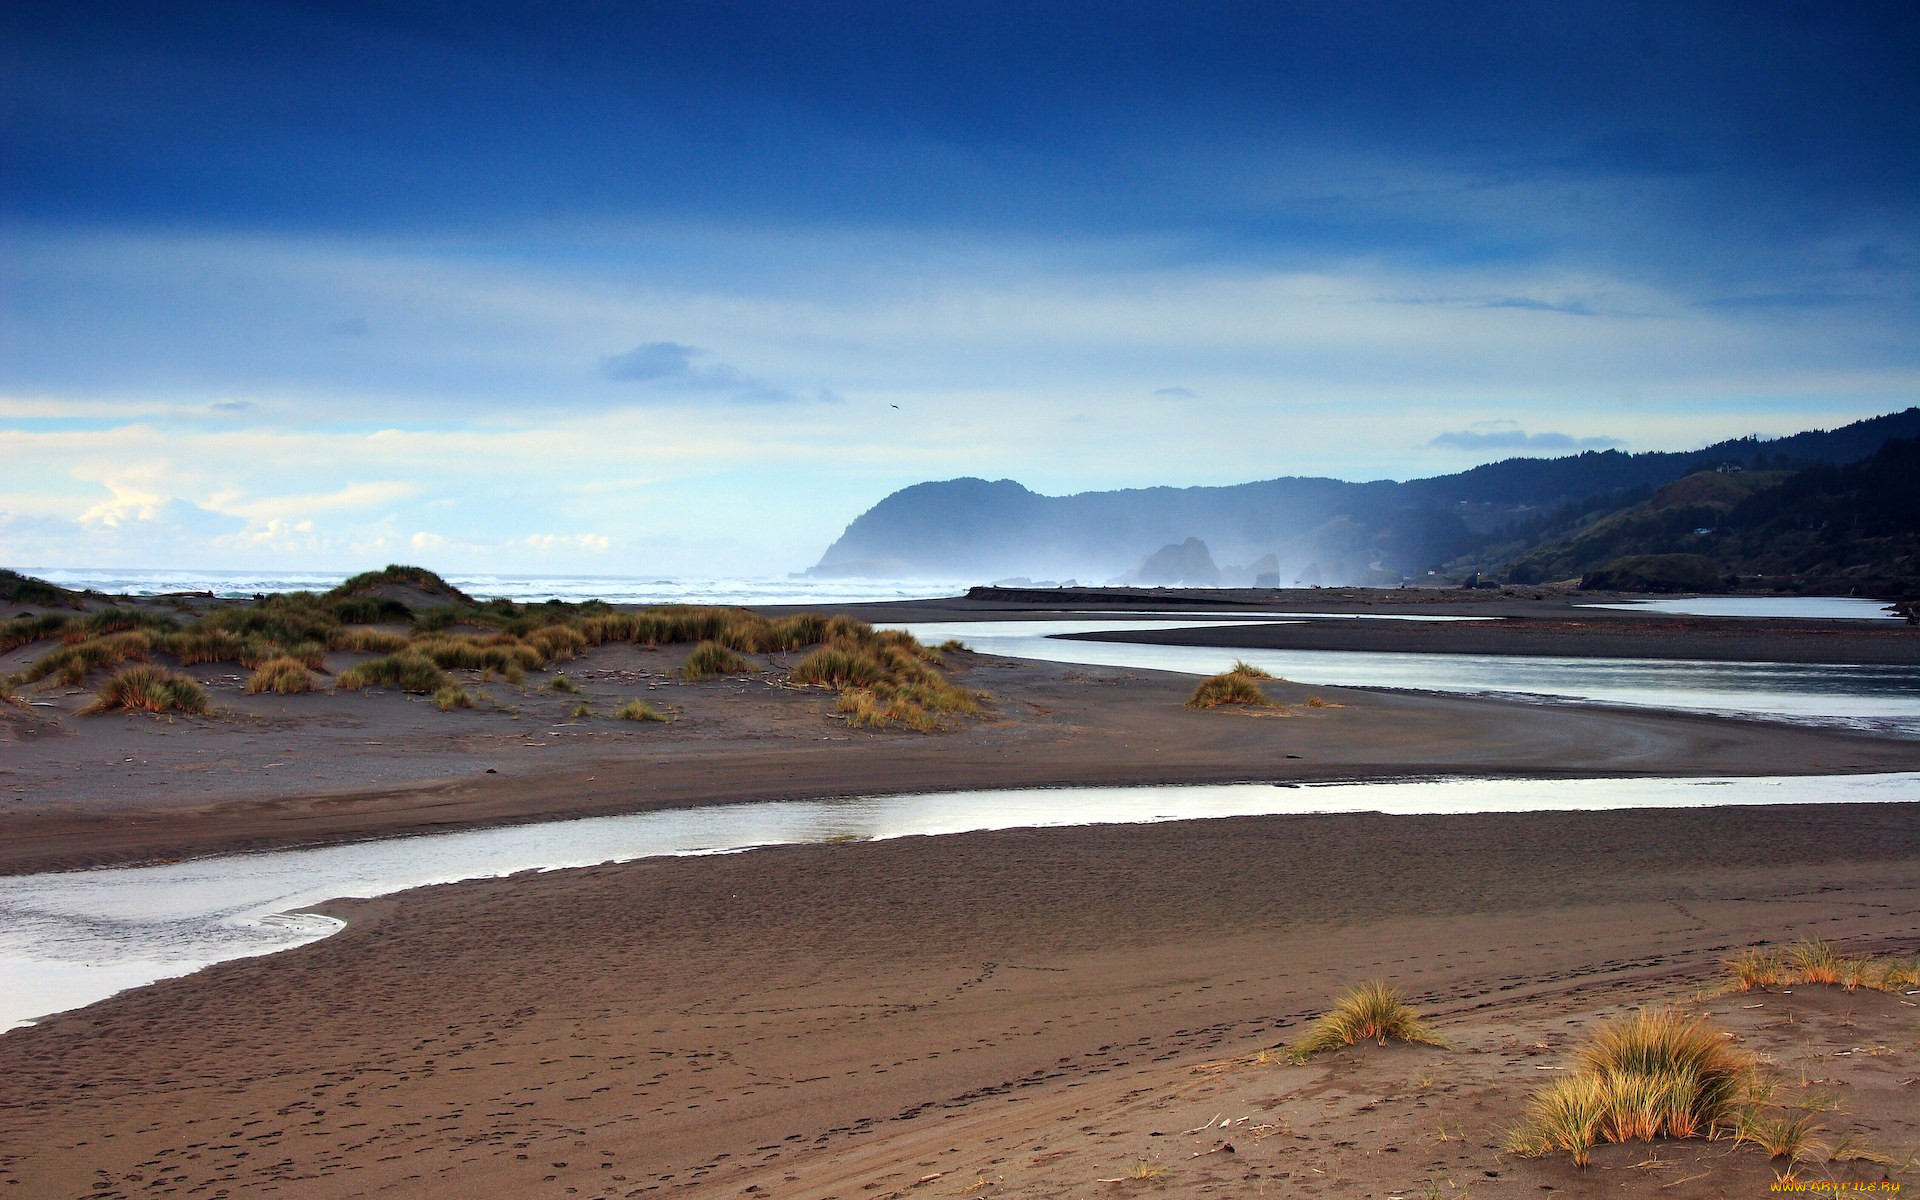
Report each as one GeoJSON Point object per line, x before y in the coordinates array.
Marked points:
{"type": "Point", "coordinates": [72, 663]}
{"type": "Point", "coordinates": [1370, 1010]}
{"type": "Point", "coordinates": [840, 665]}
{"type": "Point", "coordinates": [917, 706]}
{"type": "Point", "coordinates": [734, 628]}
{"type": "Point", "coordinates": [406, 670]}
{"type": "Point", "coordinates": [1815, 961]}
{"type": "Point", "coordinates": [368, 641]}
{"type": "Point", "coordinates": [147, 688]}
{"type": "Point", "coordinates": [451, 697]}
{"type": "Point", "coordinates": [555, 643]}
{"type": "Point", "coordinates": [1230, 687]}
{"type": "Point", "coordinates": [1658, 1073]}
{"type": "Point", "coordinates": [885, 678]}
{"type": "Point", "coordinates": [639, 710]}
{"type": "Point", "coordinates": [283, 676]}
{"type": "Point", "coordinates": [115, 620]}
{"type": "Point", "coordinates": [20, 631]}
{"type": "Point", "coordinates": [709, 660]}
{"type": "Point", "coordinates": [501, 652]}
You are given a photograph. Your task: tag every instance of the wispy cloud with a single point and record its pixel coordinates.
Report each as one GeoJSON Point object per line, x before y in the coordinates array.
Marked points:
{"type": "Point", "coordinates": [1175, 393]}
{"type": "Point", "coordinates": [671, 363]}
{"type": "Point", "coordinates": [650, 361]}
{"type": "Point", "coordinates": [1514, 438]}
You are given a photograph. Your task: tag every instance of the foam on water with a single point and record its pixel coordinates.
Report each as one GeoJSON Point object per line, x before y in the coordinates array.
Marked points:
{"type": "Point", "coordinates": [615, 589]}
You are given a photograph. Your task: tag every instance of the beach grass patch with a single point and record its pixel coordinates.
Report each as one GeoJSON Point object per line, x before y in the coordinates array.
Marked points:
{"type": "Point", "coordinates": [1369, 1011]}
{"type": "Point", "coordinates": [554, 643]}
{"type": "Point", "coordinates": [406, 671]}
{"type": "Point", "coordinates": [710, 660]}
{"type": "Point", "coordinates": [72, 663]}
{"type": "Point", "coordinates": [838, 666]}
{"type": "Point", "coordinates": [1247, 669]}
{"type": "Point", "coordinates": [282, 676]}
{"type": "Point", "coordinates": [451, 697]}
{"type": "Point", "coordinates": [369, 641]}
{"type": "Point", "coordinates": [1815, 961]}
{"type": "Point", "coordinates": [1659, 1073]}
{"type": "Point", "coordinates": [16, 588]}
{"type": "Point", "coordinates": [476, 652]}
{"type": "Point", "coordinates": [639, 710]}
{"type": "Point", "coordinates": [25, 630]}
{"type": "Point", "coordinates": [399, 575]}
{"type": "Point", "coordinates": [116, 620]}
{"type": "Point", "coordinates": [1229, 687]}
{"type": "Point", "coordinates": [565, 686]}
{"type": "Point", "coordinates": [151, 689]}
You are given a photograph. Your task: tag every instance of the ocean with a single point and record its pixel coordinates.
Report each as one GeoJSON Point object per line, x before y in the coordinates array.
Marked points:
{"type": "Point", "coordinates": [615, 589]}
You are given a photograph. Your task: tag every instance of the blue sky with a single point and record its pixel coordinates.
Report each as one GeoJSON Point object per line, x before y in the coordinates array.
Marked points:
{"type": "Point", "coordinates": [683, 288]}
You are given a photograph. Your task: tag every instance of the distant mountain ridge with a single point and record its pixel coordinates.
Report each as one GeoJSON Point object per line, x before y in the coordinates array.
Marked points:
{"type": "Point", "coordinates": [1316, 530]}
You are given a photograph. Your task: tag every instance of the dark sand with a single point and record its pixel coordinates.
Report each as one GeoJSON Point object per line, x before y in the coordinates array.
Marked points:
{"type": "Point", "coordinates": [1021, 1013]}
{"type": "Point", "coordinates": [1039, 1010]}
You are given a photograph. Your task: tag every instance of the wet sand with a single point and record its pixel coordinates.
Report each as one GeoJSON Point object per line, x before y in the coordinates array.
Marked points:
{"type": "Point", "coordinates": [278, 771]}
{"type": "Point", "coordinates": [1030, 1013]}
{"type": "Point", "coordinates": [1018, 1013]}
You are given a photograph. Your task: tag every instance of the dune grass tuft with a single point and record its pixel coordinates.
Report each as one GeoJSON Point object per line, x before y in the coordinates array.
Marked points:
{"type": "Point", "coordinates": [282, 676]}
{"type": "Point", "coordinates": [396, 574]}
{"type": "Point", "coordinates": [148, 688]}
{"type": "Point", "coordinates": [639, 710]}
{"type": "Point", "coordinates": [839, 666]}
{"type": "Point", "coordinates": [115, 620]}
{"type": "Point", "coordinates": [74, 662]}
{"type": "Point", "coordinates": [368, 641]}
{"type": "Point", "coordinates": [406, 670]}
{"type": "Point", "coordinates": [16, 588]}
{"type": "Point", "coordinates": [565, 686]}
{"type": "Point", "coordinates": [1229, 687]}
{"type": "Point", "coordinates": [710, 660]}
{"type": "Point", "coordinates": [20, 631]}
{"type": "Point", "coordinates": [1565, 1115]}
{"type": "Point", "coordinates": [1247, 669]}
{"type": "Point", "coordinates": [1659, 1073]}
{"type": "Point", "coordinates": [885, 678]}
{"type": "Point", "coordinates": [451, 697]}
{"type": "Point", "coordinates": [1368, 1010]}
{"type": "Point", "coordinates": [1816, 961]}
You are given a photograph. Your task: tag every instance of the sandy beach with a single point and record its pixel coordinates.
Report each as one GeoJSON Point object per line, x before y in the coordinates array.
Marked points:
{"type": "Point", "coordinates": [1038, 1013]}
{"type": "Point", "coordinates": [1041, 1011]}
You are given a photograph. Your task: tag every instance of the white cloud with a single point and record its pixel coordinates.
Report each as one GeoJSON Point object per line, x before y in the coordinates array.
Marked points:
{"type": "Point", "coordinates": [597, 543]}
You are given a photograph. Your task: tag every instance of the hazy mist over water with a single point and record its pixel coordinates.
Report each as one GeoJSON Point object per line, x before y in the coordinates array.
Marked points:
{"type": "Point", "coordinates": [615, 589]}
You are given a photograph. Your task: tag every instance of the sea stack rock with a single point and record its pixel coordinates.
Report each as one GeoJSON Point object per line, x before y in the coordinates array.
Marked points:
{"type": "Point", "coordinates": [1187, 562]}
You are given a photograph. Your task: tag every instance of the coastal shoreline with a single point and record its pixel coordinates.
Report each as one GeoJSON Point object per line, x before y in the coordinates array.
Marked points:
{"type": "Point", "coordinates": [1042, 1009]}
{"type": "Point", "coordinates": [275, 772]}
{"type": "Point", "coordinates": [1028, 1012]}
